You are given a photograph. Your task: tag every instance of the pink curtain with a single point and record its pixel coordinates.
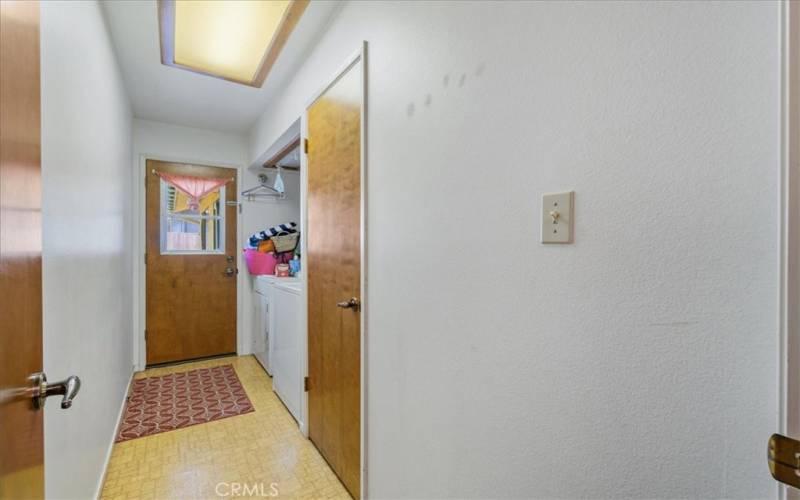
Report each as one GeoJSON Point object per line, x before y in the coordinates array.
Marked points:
{"type": "Point", "coordinates": [193, 187]}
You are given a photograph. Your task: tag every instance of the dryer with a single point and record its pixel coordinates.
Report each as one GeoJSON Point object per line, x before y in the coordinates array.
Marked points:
{"type": "Point", "coordinates": [286, 357]}
{"type": "Point", "coordinates": [260, 321]}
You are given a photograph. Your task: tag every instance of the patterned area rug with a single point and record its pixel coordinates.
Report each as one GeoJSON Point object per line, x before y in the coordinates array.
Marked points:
{"type": "Point", "coordinates": [169, 402]}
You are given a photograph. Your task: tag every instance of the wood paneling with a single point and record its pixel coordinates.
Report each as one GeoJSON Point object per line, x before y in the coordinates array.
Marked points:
{"type": "Point", "coordinates": [21, 430]}
{"type": "Point", "coordinates": [334, 275]}
{"type": "Point", "coordinates": [282, 153]}
{"type": "Point", "coordinates": [191, 303]}
{"type": "Point", "coordinates": [290, 19]}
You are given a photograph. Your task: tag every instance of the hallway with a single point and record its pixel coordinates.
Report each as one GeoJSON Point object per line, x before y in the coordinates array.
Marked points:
{"type": "Point", "coordinates": [289, 208]}
{"type": "Point", "coordinates": [253, 450]}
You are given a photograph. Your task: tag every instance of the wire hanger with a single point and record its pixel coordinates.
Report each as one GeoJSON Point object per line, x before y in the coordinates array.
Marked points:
{"type": "Point", "coordinates": [264, 190]}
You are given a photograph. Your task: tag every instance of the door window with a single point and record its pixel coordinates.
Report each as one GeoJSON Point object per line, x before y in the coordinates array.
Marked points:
{"type": "Point", "coordinates": [192, 228]}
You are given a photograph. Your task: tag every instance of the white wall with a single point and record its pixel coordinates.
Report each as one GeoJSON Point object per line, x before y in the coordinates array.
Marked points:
{"type": "Point", "coordinates": [640, 361]}
{"type": "Point", "coordinates": [263, 213]}
{"type": "Point", "coordinates": [176, 141]}
{"type": "Point", "coordinates": [86, 148]}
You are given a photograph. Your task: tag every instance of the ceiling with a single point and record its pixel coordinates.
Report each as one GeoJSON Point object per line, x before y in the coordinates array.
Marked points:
{"type": "Point", "coordinates": [166, 94]}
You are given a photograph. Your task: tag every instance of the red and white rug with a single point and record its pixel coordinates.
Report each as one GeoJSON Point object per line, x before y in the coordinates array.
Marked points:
{"type": "Point", "coordinates": [177, 400]}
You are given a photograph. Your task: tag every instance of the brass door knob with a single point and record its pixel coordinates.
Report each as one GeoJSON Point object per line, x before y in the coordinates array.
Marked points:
{"type": "Point", "coordinates": [783, 458]}
{"type": "Point", "coordinates": [353, 304]}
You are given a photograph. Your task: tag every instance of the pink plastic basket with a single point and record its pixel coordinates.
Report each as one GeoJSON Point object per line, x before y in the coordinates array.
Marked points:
{"type": "Point", "coordinates": [260, 263]}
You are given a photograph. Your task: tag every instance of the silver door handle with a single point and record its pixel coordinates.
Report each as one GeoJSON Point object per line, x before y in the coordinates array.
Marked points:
{"type": "Point", "coordinates": [353, 304]}
{"type": "Point", "coordinates": [68, 388]}
{"type": "Point", "coordinates": [229, 271]}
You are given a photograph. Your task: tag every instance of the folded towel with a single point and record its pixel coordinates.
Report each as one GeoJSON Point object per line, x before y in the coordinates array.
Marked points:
{"type": "Point", "coordinates": [280, 229]}
{"type": "Point", "coordinates": [266, 246]}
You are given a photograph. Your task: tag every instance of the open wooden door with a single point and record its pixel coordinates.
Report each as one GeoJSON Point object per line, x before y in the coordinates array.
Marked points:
{"type": "Point", "coordinates": [334, 275]}
{"type": "Point", "coordinates": [191, 265]}
{"type": "Point", "coordinates": [21, 425]}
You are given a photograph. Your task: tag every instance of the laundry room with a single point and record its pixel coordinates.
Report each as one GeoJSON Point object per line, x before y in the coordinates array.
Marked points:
{"type": "Point", "coordinates": [271, 299]}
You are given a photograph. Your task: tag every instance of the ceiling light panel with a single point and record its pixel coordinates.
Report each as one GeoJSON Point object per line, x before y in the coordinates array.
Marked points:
{"type": "Point", "coordinates": [237, 40]}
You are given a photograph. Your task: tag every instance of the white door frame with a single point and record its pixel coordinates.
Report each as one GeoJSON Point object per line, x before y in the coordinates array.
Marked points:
{"type": "Point", "coordinates": [789, 242]}
{"type": "Point", "coordinates": [140, 244]}
{"type": "Point", "coordinates": [358, 56]}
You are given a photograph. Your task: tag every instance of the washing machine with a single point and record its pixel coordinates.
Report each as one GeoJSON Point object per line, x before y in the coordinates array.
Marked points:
{"type": "Point", "coordinates": [260, 333]}
{"type": "Point", "coordinates": [263, 344]}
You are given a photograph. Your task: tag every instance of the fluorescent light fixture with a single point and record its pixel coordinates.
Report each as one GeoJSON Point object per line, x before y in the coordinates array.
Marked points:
{"type": "Point", "coordinates": [236, 40]}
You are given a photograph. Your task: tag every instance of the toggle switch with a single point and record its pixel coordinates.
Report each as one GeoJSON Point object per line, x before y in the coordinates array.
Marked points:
{"type": "Point", "coordinates": [557, 217]}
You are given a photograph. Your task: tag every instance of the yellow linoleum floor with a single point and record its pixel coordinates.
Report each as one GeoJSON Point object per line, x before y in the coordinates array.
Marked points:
{"type": "Point", "coordinates": [260, 454]}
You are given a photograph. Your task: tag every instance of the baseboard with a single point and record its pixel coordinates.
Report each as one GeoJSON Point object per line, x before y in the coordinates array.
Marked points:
{"type": "Point", "coordinates": [102, 481]}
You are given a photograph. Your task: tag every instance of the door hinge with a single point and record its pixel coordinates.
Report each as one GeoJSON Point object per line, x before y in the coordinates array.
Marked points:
{"type": "Point", "coordinates": [305, 146]}
{"type": "Point", "coordinates": [783, 458]}
{"type": "Point", "coordinates": [305, 384]}
{"type": "Point", "coordinates": [145, 335]}
{"type": "Point", "coordinates": [145, 258]}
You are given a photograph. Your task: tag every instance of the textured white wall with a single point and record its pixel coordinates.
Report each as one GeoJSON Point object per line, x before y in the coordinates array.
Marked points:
{"type": "Point", "coordinates": [86, 150]}
{"type": "Point", "coordinates": [264, 213]}
{"type": "Point", "coordinates": [177, 141]}
{"type": "Point", "coordinates": [640, 361]}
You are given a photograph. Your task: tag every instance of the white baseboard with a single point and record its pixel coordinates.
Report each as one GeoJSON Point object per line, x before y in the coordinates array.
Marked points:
{"type": "Point", "coordinates": [102, 481]}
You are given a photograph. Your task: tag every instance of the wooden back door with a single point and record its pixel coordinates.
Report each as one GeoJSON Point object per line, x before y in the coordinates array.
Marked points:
{"type": "Point", "coordinates": [190, 267]}
{"type": "Point", "coordinates": [21, 426]}
{"type": "Point", "coordinates": [334, 275]}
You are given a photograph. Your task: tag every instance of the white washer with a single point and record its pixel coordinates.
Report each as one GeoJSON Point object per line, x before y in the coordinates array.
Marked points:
{"type": "Point", "coordinates": [260, 333]}
{"type": "Point", "coordinates": [262, 299]}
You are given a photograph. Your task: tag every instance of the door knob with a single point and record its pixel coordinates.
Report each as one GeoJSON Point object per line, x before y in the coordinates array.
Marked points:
{"type": "Point", "coordinates": [229, 271]}
{"type": "Point", "coordinates": [39, 390]}
{"type": "Point", "coordinates": [353, 304]}
{"type": "Point", "coordinates": [68, 388]}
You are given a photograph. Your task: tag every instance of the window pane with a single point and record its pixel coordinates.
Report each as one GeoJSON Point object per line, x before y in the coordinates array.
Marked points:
{"type": "Point", "coordinates": [193, 234]}
{"type": "Point", "coordinates": [188, 226]}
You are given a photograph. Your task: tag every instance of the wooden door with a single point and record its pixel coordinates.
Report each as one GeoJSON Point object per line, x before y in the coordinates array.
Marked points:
{"type": "Point", "coordinates": [334, 275]}
{"type": "Point", "coordinates": [21, 431]}
{"type": "Point", "coordinates": [190, 267]}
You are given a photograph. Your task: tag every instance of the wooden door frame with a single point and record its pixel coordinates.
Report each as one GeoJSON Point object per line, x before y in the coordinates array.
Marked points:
{"type": "Point", "coordinates": [359, 56]}
{"type": "Point", "coordinates": [140, 245]}
{"type": "Point", "coordinates": [789, 240]}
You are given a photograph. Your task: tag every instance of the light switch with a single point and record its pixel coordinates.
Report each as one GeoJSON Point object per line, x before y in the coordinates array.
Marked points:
{"type": "Point", "coordinates": [557, 217]}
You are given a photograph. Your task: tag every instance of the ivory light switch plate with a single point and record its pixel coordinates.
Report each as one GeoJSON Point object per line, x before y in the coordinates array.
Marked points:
{"type": "Point", "coordinates": [557, 217]}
